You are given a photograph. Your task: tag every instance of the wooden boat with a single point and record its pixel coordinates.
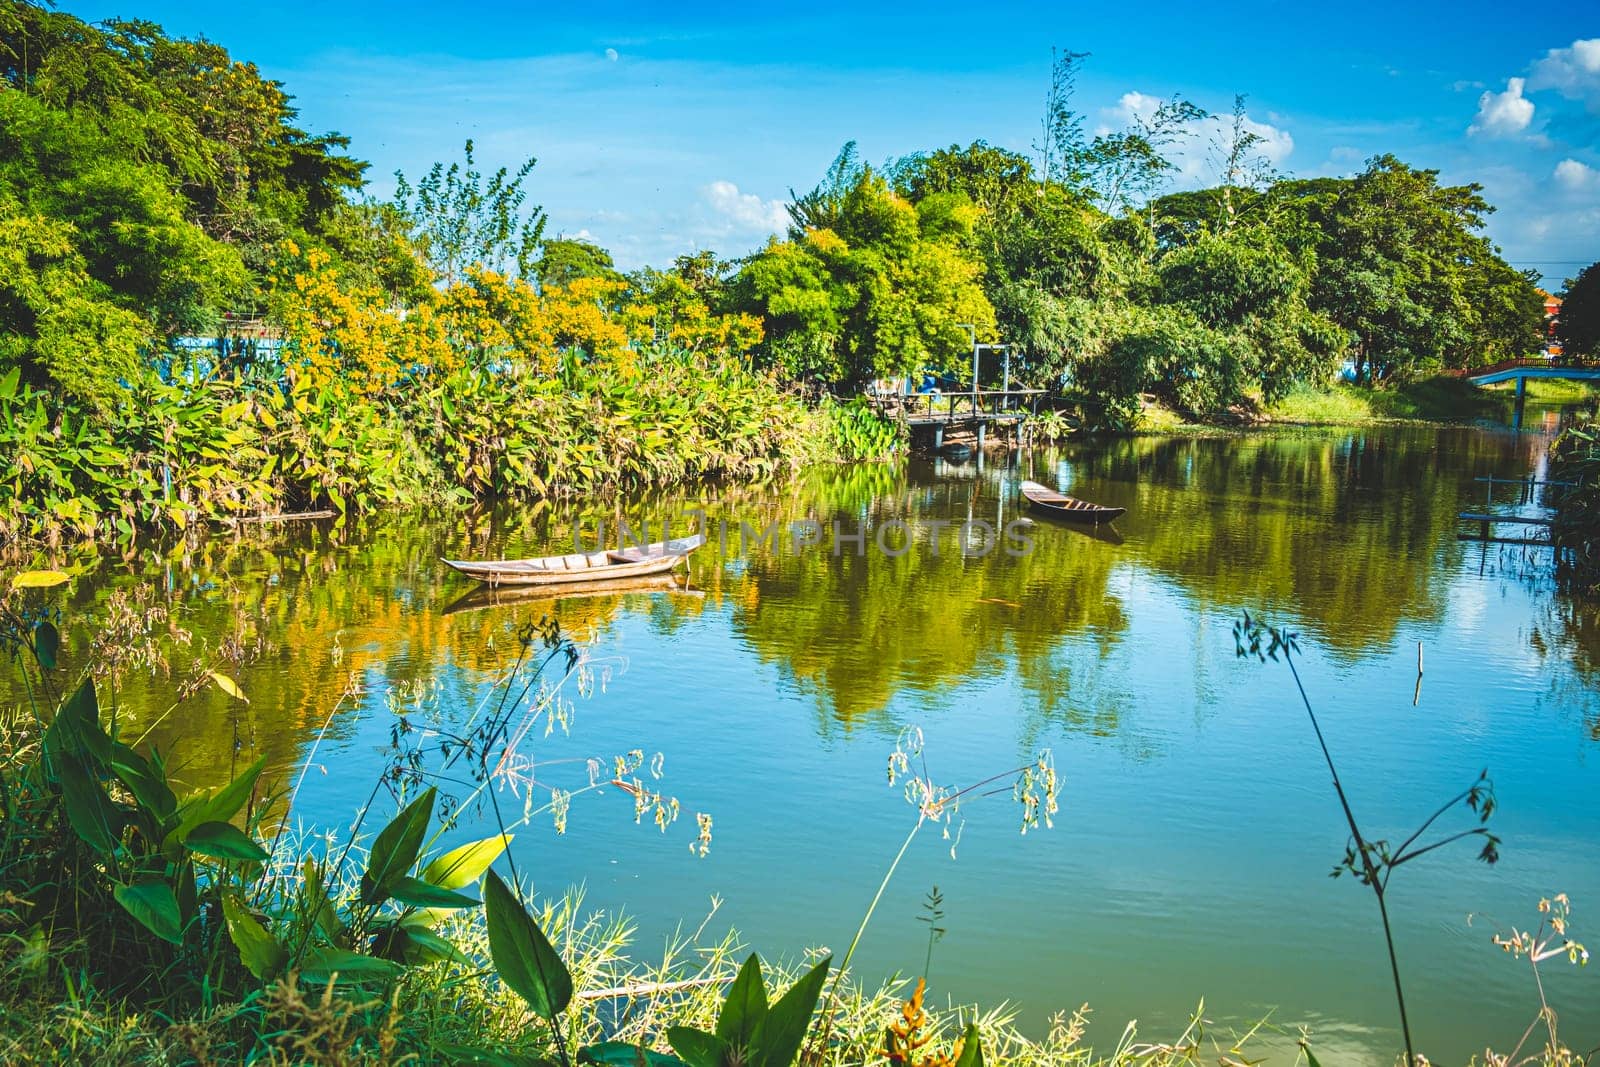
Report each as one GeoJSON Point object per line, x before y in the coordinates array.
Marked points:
{"type": "Point", "coordinates": [1058, 505]}
{"type": "Point", "coordinates": [605, 565]}
{"type": "Point", "coordinates": [482, 597]}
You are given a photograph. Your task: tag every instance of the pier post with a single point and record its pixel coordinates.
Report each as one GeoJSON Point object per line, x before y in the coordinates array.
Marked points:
{"type": "Point", "coordinates": [980, 436]}
{"type": "Point", "coordinates": [1522, 396]}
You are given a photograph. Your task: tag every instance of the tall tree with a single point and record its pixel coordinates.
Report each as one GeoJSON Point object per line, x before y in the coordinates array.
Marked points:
{"type": "Point", "coordinates": [462, 219]}
{"type": "Point", "coordinates": [1578, 326]}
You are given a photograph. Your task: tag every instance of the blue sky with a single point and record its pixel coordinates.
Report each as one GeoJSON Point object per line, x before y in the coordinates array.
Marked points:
{"type": "Point", "coordinates": [660, 130]}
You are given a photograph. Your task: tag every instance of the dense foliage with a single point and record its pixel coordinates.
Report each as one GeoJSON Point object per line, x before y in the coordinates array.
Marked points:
{"type": "Point", "coordinates": [1578, 325]}
{"type": "Point", "coordinates": [156, 191]}
{"type": "Point", "coordinates": [1575, 458]}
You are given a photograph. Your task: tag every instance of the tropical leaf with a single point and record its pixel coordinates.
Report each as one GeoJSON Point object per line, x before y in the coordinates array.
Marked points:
{"type": "Point", "coordinates": [153, 903]}
{"type": "Point", "coordinates": [323, 964]}
{"type": "Point", "coordinates": [777, 1039]}
{"type": "Point", "coordinates": [259, 951]}
{"type": "Point", "coordinates": [744, 1007]}
{"type": "Point", "coordinates": [38, 579]}
{"type": "Point", "coordinates": [428, 946]}
{"type": "Point", "coordinates": [46, 643]}
{"type": "Point", "coordinates": [222, 805]}
{"type": "Point", "coordinates": [143, 779]}
{"type": "Point", "coordinates": [96, 820]}
{"type": "Point", "coordinates": [396, 848]}
{"type": "Point", "coordinates": [229, 686]}
{"type": "Point", "coordinates": [526, 961]}
{"type": "Point", "coordinates": [465, 865]}
{"type": "Point", "coordinates": [698, 1048]}
{"type": "Point", "coordinates": [224, 841]}
{"type": "Point", "coordinates": [622, 1054]}
{"type": "Point", "coordinates": [419, 894]}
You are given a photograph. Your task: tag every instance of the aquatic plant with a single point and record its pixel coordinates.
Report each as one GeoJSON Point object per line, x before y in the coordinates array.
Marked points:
{"type": "Point", "coordinates": [1373, 861]}
{"type": "Point", "coordinates": [1547, 941]}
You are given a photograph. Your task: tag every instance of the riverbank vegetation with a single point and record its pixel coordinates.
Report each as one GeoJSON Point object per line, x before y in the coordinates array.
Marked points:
{"type": "Point", "coordinates": [203, 315]}
{"type": "Point", "coordinates": [1575, 457]}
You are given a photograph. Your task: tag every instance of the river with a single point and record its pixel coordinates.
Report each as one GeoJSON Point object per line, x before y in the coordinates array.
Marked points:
{"type": "Point", "coordinates": [1197, 824]}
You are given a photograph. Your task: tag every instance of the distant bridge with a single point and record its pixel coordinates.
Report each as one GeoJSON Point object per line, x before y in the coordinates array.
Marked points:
{"type": "Point", "coordinates": [1520, 370]}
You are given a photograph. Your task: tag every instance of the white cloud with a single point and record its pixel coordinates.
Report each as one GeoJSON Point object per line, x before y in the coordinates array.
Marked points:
{"type": "Point", "coordinates": [1575, 175]}
{"type": "Point", "coordinates": [747, 212]}
{"type": "Point", "coordinates": [1573, 71]}
{"type": "Point", "coordinates": [1503, 114]}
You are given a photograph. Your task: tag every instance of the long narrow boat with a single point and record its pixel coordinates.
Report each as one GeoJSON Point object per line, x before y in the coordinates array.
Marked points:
{"type": "Point", "coordinates": [605, 565]}
{"type": "Point", "coordinates": [1058, 505]}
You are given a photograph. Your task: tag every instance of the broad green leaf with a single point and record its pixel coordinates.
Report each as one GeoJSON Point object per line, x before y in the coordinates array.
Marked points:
{"type": "Point", "coordinates": [526, 961]}
{"type": "Point", "coordinates": [322, 964]}
{"type": "Point", "coordinates": [971, 1048]}
{"type": "Point", "coordinates": [46, 643]}
{"type": "Point", "coordinates": [396, 848]}
{"type": "Point", "coordinates": [698, 1048]}
{"type": "Point", "coordinates": [419, 894]}
{"type": "Point", "coordinates": [229, 686]}
{"type": "Point", "coordinates": [155, 906]}
{"type": "Point", "coordinates": [76, 731]}
{"type": "Point", "coordinates": [259, 951]}
{"type": "Point", "coordinates": [228, 801]}
{"type": "Point", "coordinates": [38, 579]}
{"type": "Point", "coordinates": [465, 865]}
{"type": "Point", "coordinates": [449, 1053]}
{"type": "Point", "coordinates": [8, 383]}
{"type": "Point", "coordinates": [778, 1037]}
{"type": "Point", "coordinates": [147, 784]}
{"type": "Point", "coordinates": [91, 813]}
{"type": "Point", "coordinates": [1311, 1057]}
{"type": "Point", "coordinates": [744, 1007]}
{"type": "Point", "coordinates": [622, 1054]}
{"type": "Point", "coordinates": [224, 841]}
{"type": "Point", "coordinates": [429, 946]}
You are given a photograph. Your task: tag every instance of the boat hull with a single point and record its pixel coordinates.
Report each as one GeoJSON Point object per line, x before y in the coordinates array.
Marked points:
{"type": "Point", "coordinates": [655, 558]}
{"type": "Point", "coordinates": [1046, 501]}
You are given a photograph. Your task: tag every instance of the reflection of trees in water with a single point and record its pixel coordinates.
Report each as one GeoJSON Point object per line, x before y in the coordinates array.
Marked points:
{"type": "Point", "coordinates": [856, 630]}
{"type": "Point", "coordinates": [1567, 631]}
{"type": "Point", "coordinates": [327, 612]}
{"type": "Point", "coordinates": [1351, 532]}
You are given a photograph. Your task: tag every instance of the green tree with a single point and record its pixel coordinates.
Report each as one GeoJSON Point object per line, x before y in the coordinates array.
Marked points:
{"type": "Point", "coordinates": [1578, 327]}
{"type": "Point", "coordinates": [1402, 266]}
{"type": "Point", "coordinates": [460, 219]}
{"type": "Point", "coordinates": [882, 290]}
{"type": "Point", "coordinates": [563, 260]}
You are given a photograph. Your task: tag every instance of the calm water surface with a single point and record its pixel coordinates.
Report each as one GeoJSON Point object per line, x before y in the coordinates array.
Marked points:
{"type": "Point", "coordinates": [1197, 826]}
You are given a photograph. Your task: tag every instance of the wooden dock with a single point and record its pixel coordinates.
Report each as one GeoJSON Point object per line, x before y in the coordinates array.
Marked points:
{"type": "Point", "coordinates": [976, 410]}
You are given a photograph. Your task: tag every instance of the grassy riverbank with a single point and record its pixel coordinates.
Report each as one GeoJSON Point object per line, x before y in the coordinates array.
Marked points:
{"type": "Point", "coordinates": [1438, 399]}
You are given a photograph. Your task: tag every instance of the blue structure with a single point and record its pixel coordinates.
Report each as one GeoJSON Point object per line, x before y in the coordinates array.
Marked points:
{"type": "Point", "coordinates": [1520, 370]}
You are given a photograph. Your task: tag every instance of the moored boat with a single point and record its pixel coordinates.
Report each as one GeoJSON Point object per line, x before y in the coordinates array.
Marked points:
{"type": "Point", "coordinates": [1058, 505]}
{"type": "Point", "coordinates": [604, 565]}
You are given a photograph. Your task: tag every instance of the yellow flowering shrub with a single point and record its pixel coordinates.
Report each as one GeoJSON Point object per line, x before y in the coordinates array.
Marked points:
{"type": "Point", "coordinates": [336, 331]}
